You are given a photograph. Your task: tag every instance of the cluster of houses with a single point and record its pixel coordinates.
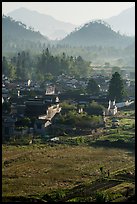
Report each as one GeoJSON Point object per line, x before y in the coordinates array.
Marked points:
{"type": "Point", "coordinates": [126, 72]}
{"type": "Point", "coordinates": [25, 101]}
{"type": "Point", "coordinates": [31, 100]}
{"type": "Point", "coordinates": [39, 109]}
{"type": "Point", "coordinates": [70, 82]}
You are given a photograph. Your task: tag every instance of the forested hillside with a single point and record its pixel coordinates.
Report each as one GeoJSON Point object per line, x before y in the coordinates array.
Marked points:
{"type": "Point", "coordinates": [15, 36]}
{"type": "Point", "coordinates": [96, 33]}
{"type": "Point", "coordinates": [95, 42]}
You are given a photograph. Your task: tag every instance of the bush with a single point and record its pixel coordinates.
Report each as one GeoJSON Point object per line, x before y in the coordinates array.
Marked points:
{"type": "Point", "coordinates": [94, 109]}
{"type": "Point", "coordinates": [101, 197]}
{"type": "Point", "coordinates": [106, 196]}
{"type": "Point", "coordinates": [80, 120]}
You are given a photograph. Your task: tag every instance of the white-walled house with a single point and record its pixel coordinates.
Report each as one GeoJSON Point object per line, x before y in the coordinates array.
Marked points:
{"type": "Point", "coordinates": [112, 108]}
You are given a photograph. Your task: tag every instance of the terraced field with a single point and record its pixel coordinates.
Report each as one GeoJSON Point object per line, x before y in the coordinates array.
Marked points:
{"type": "Point", "coordinates": [73, 169]}
{"type": "Point", "coordinates": [47, 171]}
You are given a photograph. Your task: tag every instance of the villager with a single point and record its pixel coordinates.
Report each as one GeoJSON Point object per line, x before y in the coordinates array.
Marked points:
{"type": "Point", "coordinates": [108, 173]}
{"type": "Point", "coordinates": [127, 192]}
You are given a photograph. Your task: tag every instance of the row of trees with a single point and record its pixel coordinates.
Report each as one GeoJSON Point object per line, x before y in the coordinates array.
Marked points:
{"type": "Point", "coordinates": [96, 54]}
{"type": "Point", "coordinates": [55, 65]}
{"type": "Point", "coordinates": [46, 66]}
{"type": "Point", "coordinates": [23, 66]}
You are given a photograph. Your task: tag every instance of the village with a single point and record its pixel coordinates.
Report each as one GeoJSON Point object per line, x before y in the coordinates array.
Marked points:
{"type": "Point", "coordinates": [68, 102]}
{"type": "Point", "coordinates": [31, 108]}
{"type": "Point", "coordinates": [60, 135]}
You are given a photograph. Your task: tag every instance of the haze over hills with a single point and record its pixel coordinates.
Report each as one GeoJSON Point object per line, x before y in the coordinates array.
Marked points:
{"type": "Point", "coordinates": [46, 24]}
{"type": "Point", "coordinates": [103, 43]}
{"type": "Point", "coordinates": [15, 35]}
{"type": "Point", "coordinates": [124, 22]}
{"type": "Point", "coordinates": [96, 33]}
{"type": "Point", "coordinates": [55, 29]}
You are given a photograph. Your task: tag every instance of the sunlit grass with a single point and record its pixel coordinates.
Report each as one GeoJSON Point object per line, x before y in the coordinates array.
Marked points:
{"type": "Point", "coordinates": [38, 169]}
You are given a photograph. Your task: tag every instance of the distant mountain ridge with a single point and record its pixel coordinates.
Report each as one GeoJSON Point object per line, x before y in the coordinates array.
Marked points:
{"type": "Point", "coordinates": [46, 24]}
{"type": "Point", "coordinates": [10, 26]}
{"type": "Point", "coordinates": [15, 35]}
{"type": "Point", "coordinates": [96, 33]}
{"type": "Point", "coordinates": [98, 36]}
{"type": "Point", "coordinates": [55, 29]}
{"type": "Point", "coordinates": [124, 22]}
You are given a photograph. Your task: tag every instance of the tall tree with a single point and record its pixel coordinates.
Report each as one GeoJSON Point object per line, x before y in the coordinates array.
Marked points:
{"type": "Point", "coordinates": [5, 66]}
{"type": "Point", "coordinates": [92, 87]}
{"type": "Point", "coordinates": [116, 89]}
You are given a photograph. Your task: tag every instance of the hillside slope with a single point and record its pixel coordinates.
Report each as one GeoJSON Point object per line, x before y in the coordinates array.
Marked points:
{"type": "Point", "coordinates": [16, 35]}
{"type": "Point", "coordinates": [96, 33]}
{"type": "Point", "coordinates": [46, 24]}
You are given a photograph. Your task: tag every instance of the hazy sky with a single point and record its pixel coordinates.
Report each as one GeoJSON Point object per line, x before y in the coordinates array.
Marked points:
{"type": "Point", "coordinates": [73, 12]}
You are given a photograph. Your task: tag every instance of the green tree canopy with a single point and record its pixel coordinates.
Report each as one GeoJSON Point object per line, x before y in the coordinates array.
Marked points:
{"type": "Point", "coordinates": [116, 89]}
{"type": "Point", "coordinates": [94, 108]}
{"type": "Point", "coordinates": [93, 87]}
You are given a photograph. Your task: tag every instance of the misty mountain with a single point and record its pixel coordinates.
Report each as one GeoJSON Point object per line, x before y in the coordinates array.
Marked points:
{"type": "Point", "coordinates": [46, 24]}
{"type": "Point", "coordinates": [124, 22]}
{"type": "Point", "coordinates": [96, 33]}
{"type": "Point", "coordinates": [15, 35]}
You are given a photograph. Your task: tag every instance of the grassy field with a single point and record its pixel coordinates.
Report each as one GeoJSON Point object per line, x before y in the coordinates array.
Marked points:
{"type": "Point", "coordinates": [52, 168]}
{"type": "Point", "coordinates": [40, 169]}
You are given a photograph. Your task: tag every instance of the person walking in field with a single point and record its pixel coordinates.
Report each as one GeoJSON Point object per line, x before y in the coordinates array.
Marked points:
{"type": "Point", "coordinates": [108, 173]}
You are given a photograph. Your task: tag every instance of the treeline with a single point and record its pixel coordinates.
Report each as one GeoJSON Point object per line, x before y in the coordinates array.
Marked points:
{"type": "Point", "coordinates": [95, 54]}
{"type": "Point", "coordinates": [40, 67]}
{"type": "Point", "coordinates": [99, 54]}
